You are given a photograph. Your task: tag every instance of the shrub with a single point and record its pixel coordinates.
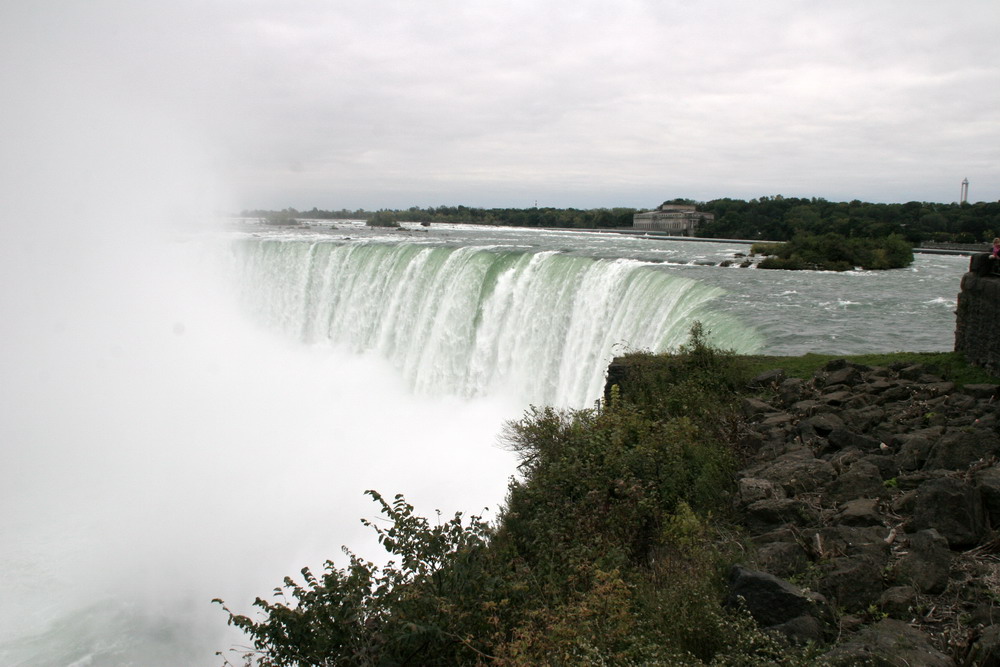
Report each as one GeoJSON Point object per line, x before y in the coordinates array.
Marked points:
{"type": "Point", "coordinates": [608, 551]}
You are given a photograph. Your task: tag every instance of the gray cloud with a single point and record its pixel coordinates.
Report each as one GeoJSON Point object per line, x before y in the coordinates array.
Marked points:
{"type": "Point", "coordinates": [570, 103]}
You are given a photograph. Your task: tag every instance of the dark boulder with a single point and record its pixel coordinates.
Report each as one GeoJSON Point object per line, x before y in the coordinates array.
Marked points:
{"type": "Point", "coordinates": [981, 391]}
{"type": "Point", "coordinates": [793, 390]}
{"type": "Point", "coordinates": [820, 425]}
{"type": "Point", "coordinates": [952, 507]}
{"type": "Point", "coordinates": [888, 643]}
{"type": "Point", "coordinates": [851, 582]}
{"type": "Point", "coordinates": [774, 603]}
{"type": "Point", "coordinates": [767, 379]}
{"type": "Point", "coordinates": [861, 480]}
{"type": "Point", "coordinates": [987, 481]}
{"type": "Point", "coordinates": [898, 602]}
{"type": "Point", "coordinates": [752, 407]}
{"type": "Point", "coordinates": [859, 512]}
{"type": "Point", "coordinates": [768, 514]}
{"type": "Point", "coordinates": [847, 375]}
{"type": "Point", "coordinates": [886, 465]}
{"type": "Point", "coordinates": [843, 438]}
{"type": "Point", "coordinates": [912, 451]}
{"type": "Point", "coordinates": [985, 651]}
{"type": "Point", "coordinates": [797, 471]}
{"type": "Point", "coordinates": [751, 489]}
{"type": "Point", "coordinates": [926, 563]}
{"type": "Point", "coordinates": [783, 559]}
{"type": "Point", "coordinates": [957, 450]}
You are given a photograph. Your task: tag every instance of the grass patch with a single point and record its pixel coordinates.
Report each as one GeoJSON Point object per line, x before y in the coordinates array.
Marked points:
{"type": "Point", "coordinates": [951, 366]}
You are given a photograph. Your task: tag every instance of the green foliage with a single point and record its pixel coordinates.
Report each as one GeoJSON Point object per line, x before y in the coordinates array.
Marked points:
{"type": "Point", "coordinates": [833, 252]}
{"type": "Point", "coordinates": [951, 366]}
{"type": "Point", "coordinates": [609, 551]}
{"type": "Point", "coordinates": [413, 610]}
{"type": "Point", "coordinates": [782, 218]}
{"type": "Point", "coordinates": [382, 219]}
{"type": "Point", "coordinates": [694, 381]}
{"type": "Point", "coordinates": [284, 218]}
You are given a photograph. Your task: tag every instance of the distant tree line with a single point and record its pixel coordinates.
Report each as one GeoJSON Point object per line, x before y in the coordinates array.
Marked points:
{"type": "Point", "coordinates": [598, 218]}
{"type": "Point", "coordinates": [782, 218]}
{"type": "Point", "coordinates": [774, 218]}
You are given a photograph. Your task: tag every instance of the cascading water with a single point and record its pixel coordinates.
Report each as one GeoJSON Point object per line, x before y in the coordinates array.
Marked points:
{"type": "Point", "coordinates": [474, 320]}
{"type": "Point", "coordinates": [161, 450]}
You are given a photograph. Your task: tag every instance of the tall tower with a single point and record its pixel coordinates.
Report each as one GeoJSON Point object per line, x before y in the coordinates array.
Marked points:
{"type": "Point", "coordinates": [965, 191]}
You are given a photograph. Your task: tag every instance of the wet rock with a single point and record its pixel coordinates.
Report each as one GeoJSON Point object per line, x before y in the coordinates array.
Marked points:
{"type": "Point", "coordinates": [942, 387]}
{"type": "Point", "coordinates": [959, 403]}
{"type": "Point", "coordinates": [807, 408]}
{"type": "Point", "coordinates": [837, 398]}
{"type": "Point", "coordinates": [884, 472]}
{"type": "Point", "coordinates": [863, 419]}
{"type": "Point", "coordinates": [912, 372]}
{"type": "Point", "coordinates": [776, 419]}
{"type": "Point", "coordinates": [878, 386]}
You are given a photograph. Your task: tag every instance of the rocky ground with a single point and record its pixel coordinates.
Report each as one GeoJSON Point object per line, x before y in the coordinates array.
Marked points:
{"type": "Point", "coordinates": [872, 495]}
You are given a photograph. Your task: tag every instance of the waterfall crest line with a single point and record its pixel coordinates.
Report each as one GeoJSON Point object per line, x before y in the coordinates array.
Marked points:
{"type": "Point", "coordinates": [474, 320]}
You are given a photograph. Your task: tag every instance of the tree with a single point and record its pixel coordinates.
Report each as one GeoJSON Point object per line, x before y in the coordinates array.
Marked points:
{"type": "Point", "coordinates": [382, 219]}
{"type": "Point", "coordinates": [419, 611]}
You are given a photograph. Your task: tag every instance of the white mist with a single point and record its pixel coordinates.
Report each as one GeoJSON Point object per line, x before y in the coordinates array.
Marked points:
{"type": "Point", "coordinates": [156, 449]}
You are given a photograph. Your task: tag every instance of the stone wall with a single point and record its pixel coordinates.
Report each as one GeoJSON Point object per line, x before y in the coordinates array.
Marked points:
{"type": "Point", "coordinates": [977, 331]}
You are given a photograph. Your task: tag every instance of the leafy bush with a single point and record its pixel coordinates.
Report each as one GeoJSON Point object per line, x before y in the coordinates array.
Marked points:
{"type": "Point", "coordinates": [609, 551]}
{"type": "Point", "coordinates": [382, 219]}
{"type": "Point", "coordinates": [421, 608]}
{"type": "Point", "coordinates": [833, 252]}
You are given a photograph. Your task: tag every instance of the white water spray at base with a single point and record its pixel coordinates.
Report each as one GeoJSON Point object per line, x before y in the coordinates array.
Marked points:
{"type": "Point", "coordinates": [159, 451]}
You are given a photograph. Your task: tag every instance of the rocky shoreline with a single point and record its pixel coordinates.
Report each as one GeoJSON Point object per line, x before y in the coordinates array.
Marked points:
{"type": "Point", "coordinates": [871, 495]}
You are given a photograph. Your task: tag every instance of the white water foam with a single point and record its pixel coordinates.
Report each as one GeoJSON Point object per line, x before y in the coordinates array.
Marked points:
{"type": "Point", "coordinates": [539, 327]}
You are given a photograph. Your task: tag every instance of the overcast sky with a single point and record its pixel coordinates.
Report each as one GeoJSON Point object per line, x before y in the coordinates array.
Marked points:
{"type": "Point", "coordinates": [578, 103]}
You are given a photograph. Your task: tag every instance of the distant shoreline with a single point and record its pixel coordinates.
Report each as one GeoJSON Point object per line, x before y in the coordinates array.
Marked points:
{"type": "Point", "coordinates": [654, 235]}
{"type": "Point", "coordinates": [667, 237]}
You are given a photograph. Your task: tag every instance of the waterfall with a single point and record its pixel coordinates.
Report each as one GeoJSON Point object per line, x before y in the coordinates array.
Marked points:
{"type": "Point", "coordinates": [477, 320]}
